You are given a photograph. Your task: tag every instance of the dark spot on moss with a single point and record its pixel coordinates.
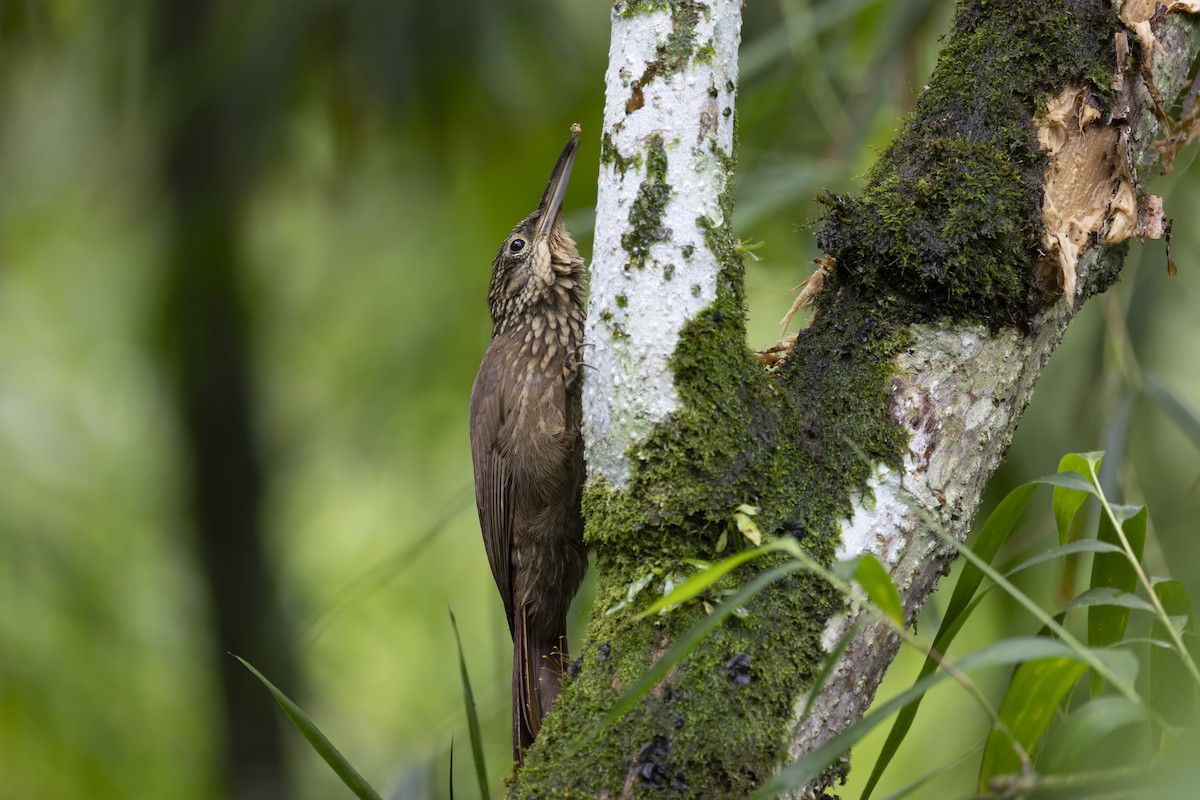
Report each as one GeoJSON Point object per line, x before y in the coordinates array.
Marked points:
{"type": "Point", "coordinates": [795, 528]}
{"type": "Point", "coordinates": [603, 652]}
{"type": "Point", "coordinates": [574, 667]}
{"type": "Point", "coordinates": [738, 669]}
{"type": "Point", "coordinates": [718, 316]}
{"type": "Point", "coordinates": [651, 763]}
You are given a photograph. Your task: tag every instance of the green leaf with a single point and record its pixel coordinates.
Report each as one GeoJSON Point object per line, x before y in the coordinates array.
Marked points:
{"type": "Point", "coordinates": [1172, 692]}
{"type": "Point", "coordinates": [1106, 623]}
{"type": "Point", "coordinates": [1109, 597]}
{"type": "Point", "coordinates": [1069, 480]}
{"type": "Point", "coordinates": [1009, 651]}
{"type": "Point", "coordinates": [692, 637]}
{"type": "Point", "coordinates": [986, 543]}
{"type": "Point", "coordinates": [1116, 670]}
{"type": "Point", "coordinates": [472, 714]}
{"type": "Point", "coordinates": [348, 775]}
{"type": "Point", "coordinates": [748, 529]}
{"type": "Point", "coordinates": [875, 581]}
{"type": "Point", "coordinates": [702, 580]}
{"type": "Point", "coordinates": [1081, 546]}
{"type": "Point", "coordinates": [1077, 736]}
{"type": "Point", "coordinates": [1067, 500]}
{"type": "Point", "coordinates": [1034, 694]}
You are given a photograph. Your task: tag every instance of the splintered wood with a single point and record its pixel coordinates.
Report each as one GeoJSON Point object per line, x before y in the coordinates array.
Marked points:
{"type": "Point", "coordinates": [1088, 186]}
{"type": "Point", "coordinates": [809, 288]}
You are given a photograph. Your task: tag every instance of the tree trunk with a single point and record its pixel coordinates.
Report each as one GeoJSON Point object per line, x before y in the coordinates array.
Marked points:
{"type": "Point", "coordinates": [215, 129]}
{"type": "Point", "coordinates": [1001, 207]}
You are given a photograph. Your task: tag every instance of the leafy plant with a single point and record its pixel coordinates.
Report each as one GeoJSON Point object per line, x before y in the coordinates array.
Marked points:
{"type": "Point", "coordinates": [336, 761]}
{"type": "Point", "coordinates": [1047, 726]}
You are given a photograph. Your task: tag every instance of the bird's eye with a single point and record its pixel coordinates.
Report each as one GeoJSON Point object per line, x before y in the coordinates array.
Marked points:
{"type": "Point", "coordinates": [516, 246]}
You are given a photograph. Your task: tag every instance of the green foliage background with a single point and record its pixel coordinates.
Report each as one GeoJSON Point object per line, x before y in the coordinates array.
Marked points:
{"type": "Point", "coordinates": [408, 138]}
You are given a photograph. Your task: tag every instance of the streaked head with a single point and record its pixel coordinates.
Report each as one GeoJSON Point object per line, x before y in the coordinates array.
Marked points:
{"type": "Point", "coordinates": [539, 253]}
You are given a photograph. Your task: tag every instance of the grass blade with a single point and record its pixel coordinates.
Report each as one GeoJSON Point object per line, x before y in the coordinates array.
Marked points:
{"type": "Point", "coordinates": [986, 544]}
{"type": "Point", "coordinates": [1076, 737]}
{"type": "Point", "coordinates": [348, 775]}
{"type": "Point", "coordinates": [1007, 652]}
{"type": "Point", "coordinates": [1106, 624]}
{"type": "Point", "coordinates": [1034, 694]}
{"type": "Point", "coordinates": [1120, 680]}
{"type": "Point", "coordinates": [702, 580]}
{"type": "Point", "coordinates": [472, 714]}
{"type": "Point", "coordinates": [1074, 548]}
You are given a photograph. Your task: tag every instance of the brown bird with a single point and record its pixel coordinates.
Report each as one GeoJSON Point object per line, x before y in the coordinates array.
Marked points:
{"type": "Point", "coordinates": [526, 446]}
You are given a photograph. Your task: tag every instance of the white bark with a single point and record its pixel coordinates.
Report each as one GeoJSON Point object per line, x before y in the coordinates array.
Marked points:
{"type": "Point", "coordinates": [635, 313]}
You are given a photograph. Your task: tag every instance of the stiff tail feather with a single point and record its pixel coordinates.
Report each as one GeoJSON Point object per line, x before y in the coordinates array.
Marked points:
{"type": "Point", "coordinates": [538, 664]}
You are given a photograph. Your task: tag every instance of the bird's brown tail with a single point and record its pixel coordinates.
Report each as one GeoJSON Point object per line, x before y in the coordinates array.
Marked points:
{"type": "Point", "coordinates": [538, 664]}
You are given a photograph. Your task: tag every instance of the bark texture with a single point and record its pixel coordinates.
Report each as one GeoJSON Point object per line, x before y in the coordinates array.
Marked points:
{"type": "Point", "coordinates": [948, 290]}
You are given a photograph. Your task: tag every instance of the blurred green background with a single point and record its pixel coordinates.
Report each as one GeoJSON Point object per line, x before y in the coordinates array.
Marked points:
{"type": "Point", "coordinates": [244, 254]}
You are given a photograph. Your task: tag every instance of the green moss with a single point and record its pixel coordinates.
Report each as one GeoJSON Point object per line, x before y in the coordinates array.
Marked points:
{"type": "Point", "coordinates": [681, 41]}
{"type": "Point", "coordinates": [950, 220]}
{"type": "Point", "coordinates": [622, 300]}
{"type": "Point", "coordinates": [705, 54]}
{"type": "Point", "coordinates": [633, 8]}
{"type": "Point", "coordinates": [645, 215]}
{"type": "Point", "coordinates": [609, 154]}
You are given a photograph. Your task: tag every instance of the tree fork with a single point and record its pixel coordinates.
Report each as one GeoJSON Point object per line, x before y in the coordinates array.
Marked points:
{"type": "Point", "coordinates": [950, 287]}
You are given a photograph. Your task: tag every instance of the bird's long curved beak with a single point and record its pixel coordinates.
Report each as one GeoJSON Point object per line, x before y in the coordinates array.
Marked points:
{"type": "Point", "coordinates": [556, 189]}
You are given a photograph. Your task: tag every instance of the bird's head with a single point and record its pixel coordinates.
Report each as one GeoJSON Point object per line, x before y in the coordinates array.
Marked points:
{"type": "Point", "coordinates": [539, 261]}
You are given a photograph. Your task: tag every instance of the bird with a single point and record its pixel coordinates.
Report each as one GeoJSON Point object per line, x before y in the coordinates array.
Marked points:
{"type": "Point", "coordinates": [526, 446]}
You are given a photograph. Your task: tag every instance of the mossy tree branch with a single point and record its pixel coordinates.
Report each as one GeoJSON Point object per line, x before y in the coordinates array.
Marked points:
{"type": "Point", "coordinates": [945, 299]}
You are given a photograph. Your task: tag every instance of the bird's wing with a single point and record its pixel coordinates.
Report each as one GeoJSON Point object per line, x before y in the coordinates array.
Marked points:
{"type": "Point", "coordinates": [493, 479]}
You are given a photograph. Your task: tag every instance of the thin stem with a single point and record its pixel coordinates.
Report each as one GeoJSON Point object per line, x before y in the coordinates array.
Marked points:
{"type": "Point", "coordinates": [1144, 580]}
